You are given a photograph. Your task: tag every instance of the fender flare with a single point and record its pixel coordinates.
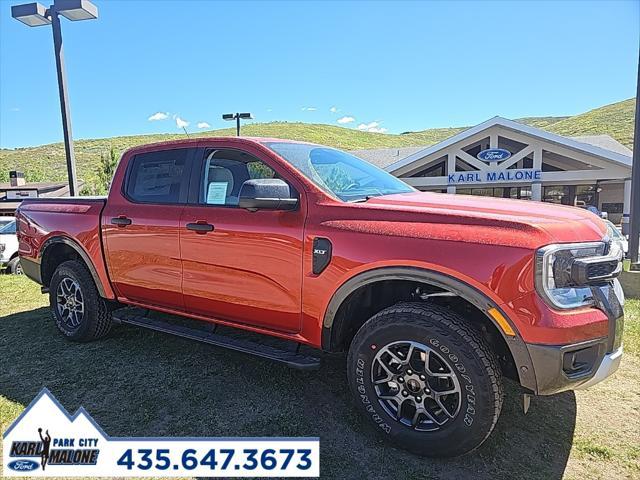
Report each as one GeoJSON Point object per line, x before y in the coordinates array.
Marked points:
{"type": "Point", "coordinates": [80, 251]}
{"type": "Point", "coordinates": [515, 344]}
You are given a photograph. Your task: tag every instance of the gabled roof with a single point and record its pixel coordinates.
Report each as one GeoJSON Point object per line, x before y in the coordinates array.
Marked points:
{"type": "Point", "coordinates": [581, 146]}
{"type": "Point", "coordinates": [605, 141]}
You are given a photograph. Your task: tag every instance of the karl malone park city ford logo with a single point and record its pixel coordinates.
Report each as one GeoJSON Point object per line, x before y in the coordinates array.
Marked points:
{"type": "Point", "coordinates": [494, 154]}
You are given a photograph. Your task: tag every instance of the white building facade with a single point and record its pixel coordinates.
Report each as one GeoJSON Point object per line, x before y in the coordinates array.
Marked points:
{"type": "Point", "coordinates": [503, 158]}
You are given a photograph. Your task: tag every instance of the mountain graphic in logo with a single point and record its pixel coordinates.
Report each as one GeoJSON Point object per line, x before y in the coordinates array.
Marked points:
{"type": "Point", "coordinates": [45, 437]}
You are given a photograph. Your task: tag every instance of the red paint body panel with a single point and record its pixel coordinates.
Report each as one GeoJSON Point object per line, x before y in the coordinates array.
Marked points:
{"type": "Point", "coordinates": [76, 218]}
{"type": "Point", "coordinates": [255, 269]}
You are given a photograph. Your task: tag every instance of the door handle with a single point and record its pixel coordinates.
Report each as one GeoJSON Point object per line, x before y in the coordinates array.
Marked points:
{"type": "Point", "coordinates": [121, 221]}
{"type": "Point", "coordinates": [200, 227]}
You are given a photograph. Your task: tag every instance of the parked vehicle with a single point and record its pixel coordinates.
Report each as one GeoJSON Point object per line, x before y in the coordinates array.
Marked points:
{"type": "Point", "coordinates": [9, 259]}
{"type": "Point", "coordinates": [435, 297]}
{"type": "Point", "coordinates": [617, 236]}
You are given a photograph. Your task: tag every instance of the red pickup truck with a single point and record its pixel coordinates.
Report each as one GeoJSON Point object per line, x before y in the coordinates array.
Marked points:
{"type": "Point", "coordinates": [435, 297]}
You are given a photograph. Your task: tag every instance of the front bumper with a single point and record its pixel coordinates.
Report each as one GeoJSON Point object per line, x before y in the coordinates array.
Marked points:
{"type": "Point", "coordinates": [581, 365]}
{"type": "Point", "coordinates": [608, 366]}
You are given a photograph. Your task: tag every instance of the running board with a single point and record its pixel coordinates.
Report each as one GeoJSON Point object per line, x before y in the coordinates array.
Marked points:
{"type": "Point", "coordinates": [291, 358]}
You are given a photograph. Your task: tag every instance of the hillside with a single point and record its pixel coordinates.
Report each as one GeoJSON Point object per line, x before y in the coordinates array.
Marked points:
{"type": "Point", "coordinates": [615, 120]}
{"type": "Point", "coordinates": [46, 162]}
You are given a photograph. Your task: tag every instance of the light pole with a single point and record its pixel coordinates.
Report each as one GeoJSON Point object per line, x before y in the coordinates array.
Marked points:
{"type": "Point", "coordinates": [237, 117]}
{"type": "Point", "coordinates": [36, 15]}
{"type": "Point", "coordinates": [634, 213]}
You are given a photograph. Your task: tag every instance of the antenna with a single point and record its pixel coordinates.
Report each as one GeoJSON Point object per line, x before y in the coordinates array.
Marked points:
{"type": "Point", "coordinates": [185, 131]}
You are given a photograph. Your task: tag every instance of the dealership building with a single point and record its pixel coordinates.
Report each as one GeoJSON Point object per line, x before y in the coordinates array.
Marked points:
{"type": "Point", "coordinates": [503, 158]}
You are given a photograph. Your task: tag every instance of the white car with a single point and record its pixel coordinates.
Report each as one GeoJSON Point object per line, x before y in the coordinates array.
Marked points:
{"type": "Point", "coordinates": [617, 236]}
{"type": "Point", "coordinates": [9, 248]}
{"type": "Point", "coordinates": [4, 220]}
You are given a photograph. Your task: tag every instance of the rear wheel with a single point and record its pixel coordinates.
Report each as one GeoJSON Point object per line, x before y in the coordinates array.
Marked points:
{"type": "Point", "coordinates": [428, 382]}
{"type": "Point", "coordinates": [77, 308]}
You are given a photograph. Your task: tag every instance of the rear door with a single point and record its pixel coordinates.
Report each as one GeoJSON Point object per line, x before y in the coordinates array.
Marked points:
{"type": "Point", "coordinates": [241, 266]}
{"type": "Point", "coordinates": [141, 228]}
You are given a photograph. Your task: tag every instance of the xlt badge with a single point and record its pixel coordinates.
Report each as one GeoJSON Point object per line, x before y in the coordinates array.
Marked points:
{"type": "Point", "coordinates": [321, 254]}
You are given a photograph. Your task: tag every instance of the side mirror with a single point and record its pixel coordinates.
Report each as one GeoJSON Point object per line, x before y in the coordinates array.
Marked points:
{"type": "Point", "coordinates": [267, 194]}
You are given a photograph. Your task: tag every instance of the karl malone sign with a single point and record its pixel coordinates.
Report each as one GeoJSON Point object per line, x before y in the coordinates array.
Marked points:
{"type": "Point", "coordinates": [495, 174]}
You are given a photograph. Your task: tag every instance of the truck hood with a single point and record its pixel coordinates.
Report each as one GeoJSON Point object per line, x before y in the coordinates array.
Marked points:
{"type": "Point", "coordinates": [519, 222]}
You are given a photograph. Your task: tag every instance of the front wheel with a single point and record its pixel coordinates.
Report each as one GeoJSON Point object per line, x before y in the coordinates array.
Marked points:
{"type": "Point", "coordinates": [78, 310]}
{"type": "Point", "coordinates": [426, 380]}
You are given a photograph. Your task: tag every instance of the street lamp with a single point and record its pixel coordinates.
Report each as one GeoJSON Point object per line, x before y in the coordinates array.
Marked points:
{"type": "Point", "coordinates": [35, 15]}
{"type": "Point", "coordinates": [237, 117]}
{"type": "Point", "coordinates": [634, 213]}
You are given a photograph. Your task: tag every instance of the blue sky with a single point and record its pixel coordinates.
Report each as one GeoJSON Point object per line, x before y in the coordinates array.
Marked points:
{"type": "Point", "coordinates": [393, 66]}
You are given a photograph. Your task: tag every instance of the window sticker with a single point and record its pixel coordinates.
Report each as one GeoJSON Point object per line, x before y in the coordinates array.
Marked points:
{"type": "Point", "coordinates": [217, 193]}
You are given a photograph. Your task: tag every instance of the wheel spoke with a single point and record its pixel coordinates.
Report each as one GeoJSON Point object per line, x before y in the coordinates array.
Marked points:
{"type": "Point", "coordinates": [409, 354]}
{"type": "Point", "coordinates": [438, 400]}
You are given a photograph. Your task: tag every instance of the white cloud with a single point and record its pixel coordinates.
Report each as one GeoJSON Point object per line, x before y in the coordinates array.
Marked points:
{"type": "Point", "coordinates": [333, 109]}
{"type": "Point", "coordinates": [309, 109]}
{"type": "Point", "coordinates": [203, 125]}
{"type": "Point", "coordinates": [180, 123]}
{"type": "Point", "coordinates": [158, 116]}
{"type": "Point", "coordinates": [347, 119]}
{"type": "Point", "coordinates": [372, 127]}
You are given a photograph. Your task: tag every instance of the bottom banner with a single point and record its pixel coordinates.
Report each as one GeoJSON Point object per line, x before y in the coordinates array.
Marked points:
{"type": "Point", "coordinates": [46, 441]}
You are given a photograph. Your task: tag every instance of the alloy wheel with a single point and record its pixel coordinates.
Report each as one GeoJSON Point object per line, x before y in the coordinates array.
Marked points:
{"type": "Point", "coordinates": [415, 385]}
{"type": "Point", "coordinates": [70, 303]}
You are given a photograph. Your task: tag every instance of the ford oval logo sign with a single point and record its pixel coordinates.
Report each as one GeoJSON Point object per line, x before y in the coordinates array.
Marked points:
{"type": "Point", "coordinates": [23, 465]}
{"type": "Point", "coordinates": [494, 154]}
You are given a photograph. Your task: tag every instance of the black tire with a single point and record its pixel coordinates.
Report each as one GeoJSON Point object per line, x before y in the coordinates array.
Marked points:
{"type": "Point", "coordinates": [95, 321]}
{"type": "Point", "coordinates": [460, 353]}
{"type": "Point", "coordinates": [14, 266]}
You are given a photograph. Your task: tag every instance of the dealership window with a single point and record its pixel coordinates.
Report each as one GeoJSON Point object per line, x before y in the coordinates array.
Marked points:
{"type": "Point", "coordinates": [586, 195]}
{"type": "Point", "coordinates": [557, 194]}
{"type": "Point", "coordinates": [437, 170]}
{"type": "Point", "coordinates": [612, 207]}
{"type": "Point", "coordinates": [523, 193]}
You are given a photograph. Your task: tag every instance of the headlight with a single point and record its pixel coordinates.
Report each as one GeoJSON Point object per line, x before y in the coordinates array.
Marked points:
{"type": "Point", "coordinates": [2, 247]}
{"type": "Point", "coordinates": [564, 272]}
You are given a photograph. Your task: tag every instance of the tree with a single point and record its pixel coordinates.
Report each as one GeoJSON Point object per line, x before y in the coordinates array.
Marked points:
{"type": "Point", "coordinates": [99, 185]}
{"type": "Point", "coordinates": [108, 164]}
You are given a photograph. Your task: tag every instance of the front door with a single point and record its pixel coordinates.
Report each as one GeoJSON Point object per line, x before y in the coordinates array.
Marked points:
{"type": "Point", "coordinates": [141, 228]}
{"type": "Point", "coordinates": [240, 266]}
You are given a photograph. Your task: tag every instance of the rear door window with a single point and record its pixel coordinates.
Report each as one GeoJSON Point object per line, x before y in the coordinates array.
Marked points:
{"type": "Point", "coordinates": [159, 177]}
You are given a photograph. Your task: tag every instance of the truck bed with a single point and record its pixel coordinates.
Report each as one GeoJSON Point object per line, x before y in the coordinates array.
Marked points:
{"type": "Point", "coordinates": [42, 221]}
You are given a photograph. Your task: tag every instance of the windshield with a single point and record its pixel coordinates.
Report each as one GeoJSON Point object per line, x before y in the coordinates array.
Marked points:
{"type": "Point", "coordinates": [8, 228]}
{"type": "Point", "coordinates": [338, 173]}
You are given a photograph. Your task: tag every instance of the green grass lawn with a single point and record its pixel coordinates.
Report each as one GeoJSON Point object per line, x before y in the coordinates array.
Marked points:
{"type": "Point", "coordinates": [142, 383]}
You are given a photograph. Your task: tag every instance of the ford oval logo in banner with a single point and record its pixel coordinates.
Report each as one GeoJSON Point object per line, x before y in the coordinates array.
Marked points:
{"type": "Point", "coordinates": [494, 154]}
{"type": "Point", "coordinates": [23, 465]}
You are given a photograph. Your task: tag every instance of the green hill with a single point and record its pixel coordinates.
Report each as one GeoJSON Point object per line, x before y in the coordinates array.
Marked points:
{"type": "Point", "coordinates": [47, 162]}
{"type": "Point", "coordinates": [615, 120]}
